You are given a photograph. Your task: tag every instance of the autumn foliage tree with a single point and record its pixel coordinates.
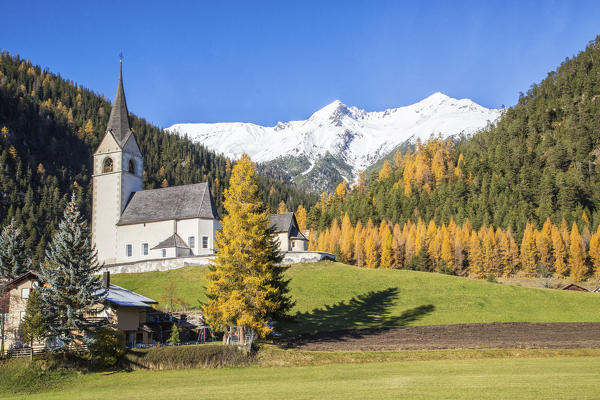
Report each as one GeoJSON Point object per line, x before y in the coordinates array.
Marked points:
{"type": "Point", "coordinates": [246, 288]}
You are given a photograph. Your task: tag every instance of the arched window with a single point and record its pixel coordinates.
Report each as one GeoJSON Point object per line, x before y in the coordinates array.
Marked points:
{"type": "Point", "coordinates": [108, 164]}
{"type": "Point", "coordinates": [131, 166]}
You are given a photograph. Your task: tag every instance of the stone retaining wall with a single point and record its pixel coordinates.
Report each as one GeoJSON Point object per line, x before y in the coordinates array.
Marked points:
{"type": "Point", "coordinates": [165, 264]}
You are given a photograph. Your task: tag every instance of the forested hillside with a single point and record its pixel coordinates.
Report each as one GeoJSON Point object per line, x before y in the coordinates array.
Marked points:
{"type": "Point", "coordinates": [538, 164]}
{"type": "Point", "coordinates": [540, 161]}
{"type": "Point", "coordinates": [50, 128]}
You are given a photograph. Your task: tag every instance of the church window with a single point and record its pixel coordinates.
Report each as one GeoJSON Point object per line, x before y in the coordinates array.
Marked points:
{"type": "Point", "coordinates": [164, 253]}
{"type": "Point", "coordinates": [191, 242]}
{"type": "Point", "coordinates": [128, 250]}
{"type": "Point", "coordinates": [144, 249]}
{"type": "Point", "coordinates": [131, 166]}
{"type": "Point", "coordinates": [205, 242]}
{"type": "Point", "coordinates": [108, 164]}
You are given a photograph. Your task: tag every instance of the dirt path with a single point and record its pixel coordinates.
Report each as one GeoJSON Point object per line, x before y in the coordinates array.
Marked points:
{"type": "Point", "coordinates": [463, 336]}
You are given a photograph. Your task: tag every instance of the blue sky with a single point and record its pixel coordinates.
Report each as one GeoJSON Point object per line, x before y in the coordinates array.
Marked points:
{"type": "Point", "coordinates": [263, 62]}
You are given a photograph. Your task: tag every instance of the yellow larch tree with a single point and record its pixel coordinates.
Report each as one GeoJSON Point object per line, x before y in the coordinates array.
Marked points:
{"type": "Point", "coordinates": [371, 247]}
{"type": "Point", "coordinates": [246, 288]}
{"type": "Point", "coordinates": [577, 255]}
{"type": "Point", "coordinates": [559, 254]}
{"type": "Point", "coordinates": [341, 190]}
{"type": "Point", "coordinates": [282, 209]}
{"type": "Point", "coordinates": [447, 249]}
{"type": "Point", "coordinates": [528, 252]}
{"type": "Point", "coordinates": [347, 240]}
{"type": "Point", "coordinates": [543, 240]}
{"type": "Point", "coordinates": [491, 259]}
{"type": "Point", "coordinates": [301, 218]}
{"type": "Point", "coordinates": [476, 263]}
{"type": "Point", "coordinates": [595, 253]}
{"type": "Point", "coordinates": [386, 245]}
{"type": "Point", "coordinates": [386, 171]}
{"type": "Point", "coordinates": [334, 238]}
{"type": "Point", "coordinates": [398, 247]}
{"type": "Point", "coordinates": [359, 244]}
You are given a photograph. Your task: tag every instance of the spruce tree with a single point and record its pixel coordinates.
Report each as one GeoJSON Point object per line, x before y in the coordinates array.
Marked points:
{"type": "Point", "coordinates": [14, 258]}
{"type": "Point", "coordinates": [174, 338]}
{"type": "Point", "coordinates": [33, 326]}
{"type": "Point", "coordinates": [71, 291]}
{"type": "Point", "coordinates": [246, 287]}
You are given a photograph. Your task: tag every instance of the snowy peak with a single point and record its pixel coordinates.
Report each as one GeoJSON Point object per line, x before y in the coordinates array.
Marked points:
{"type": "Point", "coordinates": [354, 137]}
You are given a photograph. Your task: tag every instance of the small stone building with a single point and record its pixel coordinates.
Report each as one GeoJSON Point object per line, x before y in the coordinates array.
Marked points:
{"type": "Point", "coordinates": [285, 227]}
{"type": "Point", "coordinates": [124, 310]}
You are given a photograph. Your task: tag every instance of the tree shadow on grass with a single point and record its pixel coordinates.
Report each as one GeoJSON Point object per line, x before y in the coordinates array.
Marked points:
{"type": "Point", "coordinates": [369, 311]}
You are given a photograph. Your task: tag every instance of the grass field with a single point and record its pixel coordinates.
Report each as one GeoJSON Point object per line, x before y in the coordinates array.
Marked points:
{"type": "Point", "coordinates": [332, 296]}
{"type": "Point", "coordinates": [504, 378]}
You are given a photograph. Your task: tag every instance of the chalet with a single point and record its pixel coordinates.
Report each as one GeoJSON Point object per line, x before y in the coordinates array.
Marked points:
{"type": "Point", "coordinates": [572, 286]}
{"type": "Point", "coordinates": [285, 227]}
{"type": "Point", "coordinates": [124, 310]}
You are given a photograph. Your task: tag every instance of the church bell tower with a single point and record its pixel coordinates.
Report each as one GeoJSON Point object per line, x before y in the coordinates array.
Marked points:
{"type": "Point", "coordinates": [118, 166]}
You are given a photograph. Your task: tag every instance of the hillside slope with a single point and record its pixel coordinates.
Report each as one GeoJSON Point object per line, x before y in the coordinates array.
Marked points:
{"type": "Point", "coordinates": [333, 296]}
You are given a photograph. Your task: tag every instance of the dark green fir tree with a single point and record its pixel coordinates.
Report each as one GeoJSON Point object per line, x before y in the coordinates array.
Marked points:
{"type": "Point", "coordinates": [71, 291]}
{"type": "Point", "coordinates": [14, 259]}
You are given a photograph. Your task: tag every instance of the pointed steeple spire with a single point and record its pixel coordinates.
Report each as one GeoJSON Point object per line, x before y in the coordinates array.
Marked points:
{"type": "Point", "coordinates": [118, 123]}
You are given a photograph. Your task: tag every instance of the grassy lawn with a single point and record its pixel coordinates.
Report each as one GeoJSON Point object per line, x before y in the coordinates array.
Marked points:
{"type": "Point", "coordinates": [504, 378]}
{"type": "Point", "coordinates": [336, 296]}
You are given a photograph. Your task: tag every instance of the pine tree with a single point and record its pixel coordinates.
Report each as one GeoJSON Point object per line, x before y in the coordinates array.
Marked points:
{"type": "Point", "coordinates": [577, 255]}
{"type": "Point", "coordinates": [70, 290]}
{"type": "Point", "coordinates": [174, 337]}
{"type": "Point", "coordinates": [14, 259]}
{"type": "Point", "coordinates": [246, 287]}
{"type": "Point", "coordinates": [33, 327]}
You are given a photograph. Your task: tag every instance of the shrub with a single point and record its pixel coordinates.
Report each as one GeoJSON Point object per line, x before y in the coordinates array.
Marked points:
{"type": "Point", "coordinates": [108, 346]}
{"type": "Point", "coordinates": [179, 357]}
{"type": "Point", "coordinates": [22, 376]}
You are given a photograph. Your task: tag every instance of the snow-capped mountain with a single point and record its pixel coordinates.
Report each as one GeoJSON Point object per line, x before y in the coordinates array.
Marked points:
{"type": "Point", "coordinates": [354, 137]}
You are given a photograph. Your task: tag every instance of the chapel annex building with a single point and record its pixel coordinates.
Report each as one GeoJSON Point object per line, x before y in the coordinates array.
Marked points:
{"type": "Point", "coordinates": [130, 224]}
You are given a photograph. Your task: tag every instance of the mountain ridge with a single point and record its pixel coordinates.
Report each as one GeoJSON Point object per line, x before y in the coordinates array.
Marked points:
{"type": "Point", "coordinates": [354, 137]}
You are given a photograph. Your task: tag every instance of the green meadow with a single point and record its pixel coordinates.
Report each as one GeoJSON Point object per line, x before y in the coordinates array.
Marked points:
{"type": "Point", "coordinates": [332, 295]}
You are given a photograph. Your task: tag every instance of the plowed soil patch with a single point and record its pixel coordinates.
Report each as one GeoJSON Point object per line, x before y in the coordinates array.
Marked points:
{"type": "Point", "coordinates": [461, 336]}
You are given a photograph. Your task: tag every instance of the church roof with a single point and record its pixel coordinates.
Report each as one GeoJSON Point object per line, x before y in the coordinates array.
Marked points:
{"type": "Point", "coordinates": [286, 222]}
{"type": "Point", "coordinates": [177, 202]}
{"type": "Point", "coordinates": [118, 123]}
{"type": "Point", "coordinates": [172, 241]}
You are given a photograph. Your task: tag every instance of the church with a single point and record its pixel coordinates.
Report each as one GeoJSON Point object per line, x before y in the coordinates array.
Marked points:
{"type": "Point", "coordinates": [130, 224]}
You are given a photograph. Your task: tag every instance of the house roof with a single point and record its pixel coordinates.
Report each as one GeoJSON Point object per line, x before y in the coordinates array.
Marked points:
{"type": "Point", "coordinates": [23, 277]}
{"type": "Point", "coordinates": [281, 222]}
{"type": "Point", "coordinates": [286, 222]}
{"type": "Point", "coordinates": [123, 297]}
{"type": "Point", "coordinates": [572, 286]}
{"type": "Point", "coordinates": [177, 202]}
{"type": "Point", "coordinates": [172, 241]}
{"type": "Point", "coordinates": [118, 122]}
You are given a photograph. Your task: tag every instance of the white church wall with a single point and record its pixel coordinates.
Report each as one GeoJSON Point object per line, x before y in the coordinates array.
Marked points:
{"type": "Point", "coordinates": [105, 215]}
{"type": "Point", "coordinates": [136, 235]}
